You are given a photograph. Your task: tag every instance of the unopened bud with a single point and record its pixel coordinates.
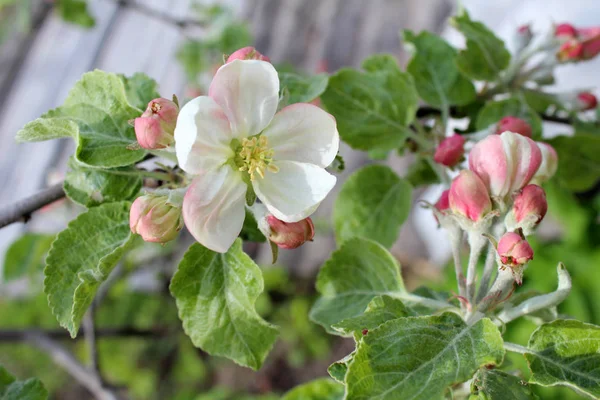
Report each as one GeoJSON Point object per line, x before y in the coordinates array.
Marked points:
{"type": "Point", "coordinates": [154, 219]}
{"type": "Point", "coordinates": [565, 31]}
{"type": "Point", "coordinates": [505, 163]}
{"type": "Point", "coordinates": [469, 197]}
{"type": "Point", "coordinates": [548, 166]}
{"type": "Point", "coordinates": [247, 53]}
{"type": "Point", "coordinates": [514, 250]}
{"type": "Point", "coordinates": [522, 38]}
{"type": "Point", "coordinates": [290, 235]}
{"type": "Point", "coordinates": [154, 129]}
{"type": "Point", "coordinates": [529, 208]}
{"type": "Point", "coordinates": [514, 124]}
{"type": "Point", "coordinates": [571, 50]}
{"type": "Point", "coordinates": [443, 202]}
{"type": "Point", "coordinates": [450, 151]}
{"type": "Point", "coordinates": [586, 101]}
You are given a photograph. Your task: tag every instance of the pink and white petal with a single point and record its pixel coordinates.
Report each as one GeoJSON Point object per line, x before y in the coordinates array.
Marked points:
{"type": "Point", "coordinates": [295, 191]}
{"type": "Point", "coordinates": [304, 133]}
{"type": "Point", "coordinates": [213, 208]}
{"type": "Point", "coordinates": [202, 136]}
{"type": "Point", "coordinates": [248, 92]}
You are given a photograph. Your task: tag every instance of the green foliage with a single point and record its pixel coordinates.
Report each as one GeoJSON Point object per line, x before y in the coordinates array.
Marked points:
{"type": "Point", "coordinates": [319, 389]}
{"type": "Point", "coordinates": [566, 352]}
{"type": "Point", "coordinates": [578, 161]}
{"type": "Point", "coordinates": [75, 12]}
{"type": "Point", "coordinates": [96, 114]}
{"type": "Point", "coordinates": [296, 88]}
{"type": "Point", "coordinates": [356, 273]}
{"type": "Point", "coordinates": [381, 309]}
{"type": "Point", "coordinates": [494, 111]}
{"type": "Point", "coordinates": [25, 257]}
{"type": "Point", "coordinates": [485, 56]}
{"type": "Point", "coordinates": [82, 257]}
{"type": "Point", "coordinates": [373, 203]}
{"type": "Point", "coordinates": [437, 78]}
{"type": "Point", "coordinates": [492, 384]}
{"type": "Point", "coordinates": [12, 389]}
{"type": "Point", "coordinates": [373, 108]}
{"type": "Point", "coordinates": [215, 295]}
{"type": "Point", "coordinates": [419, 357]}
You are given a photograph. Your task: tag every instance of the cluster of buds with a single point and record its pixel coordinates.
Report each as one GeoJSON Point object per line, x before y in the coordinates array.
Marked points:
{"type": "Point", "coordinates": [156, 218]}
{"type": "Point", "coordinates": [577, 44]}
{"type": "Point", "coordinates": [155, 128]}
{"type": "Point", "coordinates": [514, 252]}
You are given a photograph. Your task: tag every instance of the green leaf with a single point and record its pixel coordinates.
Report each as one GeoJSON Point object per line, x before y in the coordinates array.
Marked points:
{"type": "Point", "coordinates": [419, 357]}
{"type": "Point", "coordinates": [356, 273]}
{"type": "Point", "coordinates": [319, 389]}
{"type": "Point", "coordinates": [91, 187]}
{"type": "Point", "coordinates": [12, 389]}
{"type": "Point", "coordinates": [421, 173]}
{"type": "Point", "coordinates": [338, 369]}
{"type": "Point", "coordinates": [494, 111]}
{"type": "Point", "coordinates": [485, 55]}
{"type": "Point", "coordinates": [96, 114]}
{"type": "Point", "coordinates": [374, 108]}
{"type": "Point", "coordinates": [381, 309]}
{"type": "Point", "coordinates": [373, 203]}
{"type": "Point", "coordinates": [215, 295]}
{"type": "Point", "coordinates": [75, 12]}
{"type": "Point", "coordinates": [140, 89]}
{"type": "Point", "coordinates": [82, 257]}
{"type": "Point", "coordinates": [578, 161]}
{"type": "Point", "coordinates": [436, 75]}
{"type": "Point", "coordinates": [302, 89]}
{"type": "Point", "coordinates": [250, 231]}
{"type": "Point", "coordinates": [492, 384]}
{"type": "Point", "coordinates": [25, 257]}
{"type": "Point", "coordinates": [566, 352]}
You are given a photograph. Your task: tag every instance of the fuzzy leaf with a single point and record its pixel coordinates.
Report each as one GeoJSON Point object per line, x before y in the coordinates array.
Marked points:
{"type": "Point", "coordinates": [578, 161]}
{"type": "Point", "coordinates": [319, 389]}
{"type": "Point", "coordinates": [215, 294]}
{"type": "Point", "coordinates": [419, 357]}
{"type": "Point", "coordinates": [380, 310]}
{"type": "Point", "coordinates": [12, 389]}
{"type": "Point", "coordinates": [493, 384]}
{"type": "Point", "coordinates": [373, 203]}
{"type": "Point", "coordinates": [82, 257]}
{"type": "Point", "coordinates": [302, 89]}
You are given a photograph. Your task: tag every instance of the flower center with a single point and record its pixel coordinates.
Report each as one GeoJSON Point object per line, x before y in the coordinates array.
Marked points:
{"type": "Point", "coordinates": [254, 156]}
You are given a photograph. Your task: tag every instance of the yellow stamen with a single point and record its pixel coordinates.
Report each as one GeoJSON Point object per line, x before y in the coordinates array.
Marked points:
{"type": "Point", "coordinates": [255, 157]}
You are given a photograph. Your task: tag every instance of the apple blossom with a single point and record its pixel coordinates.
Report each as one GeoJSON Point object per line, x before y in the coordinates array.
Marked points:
{"type": "Point", "coordinates": [155, 219]}
{"type": "Point", "coordinates": [586, 101]}
{"type": "Point", "coordinates": [469, 197]}
{"type": "Point", "coordinates": [514, 250]}
{"type": "Point", "coordinates": [235, 144]}
{"type": "Point", "coordinates": [505, 163]}
{"type": "Point", "coordinates": [450, 151]}
{"type": "Point", "coordinates": [247, 53]}
{"type": "Point", "coordinates": [529, 208]}
{"type": "Point", "coordinates": [565, 30]}
{"type": "Point", "coordinates": [155, 127]}
{"type": "Point", "coordinates": [548, 166]}
{"type": "Point", "coordinates": [514, 124]}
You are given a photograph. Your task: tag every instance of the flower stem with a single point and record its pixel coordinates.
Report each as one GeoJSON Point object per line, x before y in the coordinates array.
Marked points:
{"type": "Point", "coordinates": [455, 242]}
{"type": "Point", "coordinates": [488, 270]}
{"type": "Point", "coordinates": [476, 244]}
{"type": "Point", "coordinates": [424, 301]}
{"type": "Point", "coordinates": [516, 348]}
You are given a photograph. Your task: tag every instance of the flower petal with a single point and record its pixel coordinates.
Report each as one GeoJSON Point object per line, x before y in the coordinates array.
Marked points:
{"type": "Point", "coordinates": [304, 133]}
{"type": "Point", "coordinates": [295, 191]}
{"type": "Point", "coordinates": [202, 136]}
{"type": "Point", "coordinates": [213, 208]}
{"type": "Point", "coordinates": [248, 92]}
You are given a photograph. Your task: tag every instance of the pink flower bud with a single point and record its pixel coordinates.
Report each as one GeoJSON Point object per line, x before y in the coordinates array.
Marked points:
{"type": "Point", "coordinates": [154, 219]}
{"type": "Point", "coordinates": [247, 53]}
{"type": "Point", "coordinates": [450, 151]}
{"type": "Point", "coordinates": [469, 197]}
{"type": "Point", "coordinates": [290, 235]}
{"type": "Point", "coordinates": [444, 201]}
{"type": "Point", "coordinates": [513, 250]}
{"type": "Point", "coordinates": [571, 50]}
{"type": "Point", "coordinates": [505, 163]}
{"type": "Point", "coordinates": [530, 204]}
{"type": "Point", "coordinates": [154, 129]}
{"type": "Point", "coordinates": [522, 38]}
{"type": "Point", "coordinates": [514, 124]}
{"type": "Point", "coordinates": [565, 31]}
{"type": "Point", "coordinates": [549, 163]}
{"type": "Point", "coordinates": [586, 101]}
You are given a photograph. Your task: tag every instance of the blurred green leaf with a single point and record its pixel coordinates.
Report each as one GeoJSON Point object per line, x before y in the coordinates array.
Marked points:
{"type": "Point", "coordinates": [578, 161]}
{"type": "Point", "coordinates": [25, 257]}
{"type": "Point", "coordinates": [12, 389]}
{"type": "Point", "coordinates": [338, 369]}
{"type": "Point", "coordinates": [215, 295]}
{"type": "Point", "coordinates": [302, 89]}
{"type": "Point", "coordinates": [381, 309]}
{"type": "Point", "coordinates": [250, 231]}
{"type": "Point", "coordinates": [75, 12]}
{"type": "Point", "coordinates": [493, 384]}
{"type": "Point", "coordinates": [373, 203]}
{"type": "Point", "coordinates": [319, 389]}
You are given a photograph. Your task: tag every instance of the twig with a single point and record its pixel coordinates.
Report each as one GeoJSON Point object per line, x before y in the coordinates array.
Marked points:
{"type": "Point", "coordinates": [22, 210]}
{"type": "Point", "coordinates": [516, 348]}
{"type": "Point", "coordinates": [65, 359]}
{"type": "Point", "coordinates": [89, 332]}
{"type": "Point", "coordinates": [159, 15]}
{"type": "Point", "coordinates": [19, 335]}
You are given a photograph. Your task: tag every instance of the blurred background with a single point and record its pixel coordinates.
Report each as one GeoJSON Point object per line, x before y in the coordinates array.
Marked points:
{"type": "Point", "coordinates": [45, 46]}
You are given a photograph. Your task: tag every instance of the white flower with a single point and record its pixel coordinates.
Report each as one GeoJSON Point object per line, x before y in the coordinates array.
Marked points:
{"type": "Point", "coordinates": [233, 140]}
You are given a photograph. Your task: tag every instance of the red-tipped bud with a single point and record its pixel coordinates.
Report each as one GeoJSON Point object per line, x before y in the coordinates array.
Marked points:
{"type": "Point", "coordinates": [450, 151]}
{"type": "Point", "coordinates": [514, 124]}
{"type": "Point", "coordinates": [469, 197]}
{"type": "Point", "coordinates": [522, 38]}
{"type": "Point", "coordinates": [565, 31]}
{"type": "Point", "coordinates": [529, 208]}
{"type": "Point", "coordinates": [290, 235]}
{"type": "Point", "coordinates": [154, 219]}
{"type": "Point", "coordinates": [549, 164]}
{"type": "Point", "coordinates": [444, 201]}
{"type": "Point", "coordinates": [571, 50]}
{"type": "Point", "coordinates": [514, 251]}
{"type": "Point", "coordinates": [586, 101]}
{"type": "Point", "coordinates": [154, 129]}
{"type": "Point", "coordinates": [247, 53]}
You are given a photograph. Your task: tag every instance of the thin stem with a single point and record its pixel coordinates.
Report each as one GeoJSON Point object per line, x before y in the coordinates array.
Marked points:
{"type": "Point", "coordinates": [516, 348]}
{"type": "Point", "coordinates": [90, 339]}
{"type": "Point", "coordinates": [22, 210]}
{"type": "Point", "coordinates": [424, 301]}
{"type": "Point", "coordinates": [455, 242]}
{"type": "Point", "coordinates": [159, 15]}
{"type": "Point", "coordinates": [488, 270]}
{"type": "Point", "coordinates": [476, 244]}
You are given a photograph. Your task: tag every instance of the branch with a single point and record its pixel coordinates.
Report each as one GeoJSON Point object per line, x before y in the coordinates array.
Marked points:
{"type": "Point", "coordinates": [425, 111]}
{"type": "Point", "coordinates": [22, 210]}
{"type": "Point", "coordinates": [159, 15]}
{"type": "Point", "coordinates": [19, 335]}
